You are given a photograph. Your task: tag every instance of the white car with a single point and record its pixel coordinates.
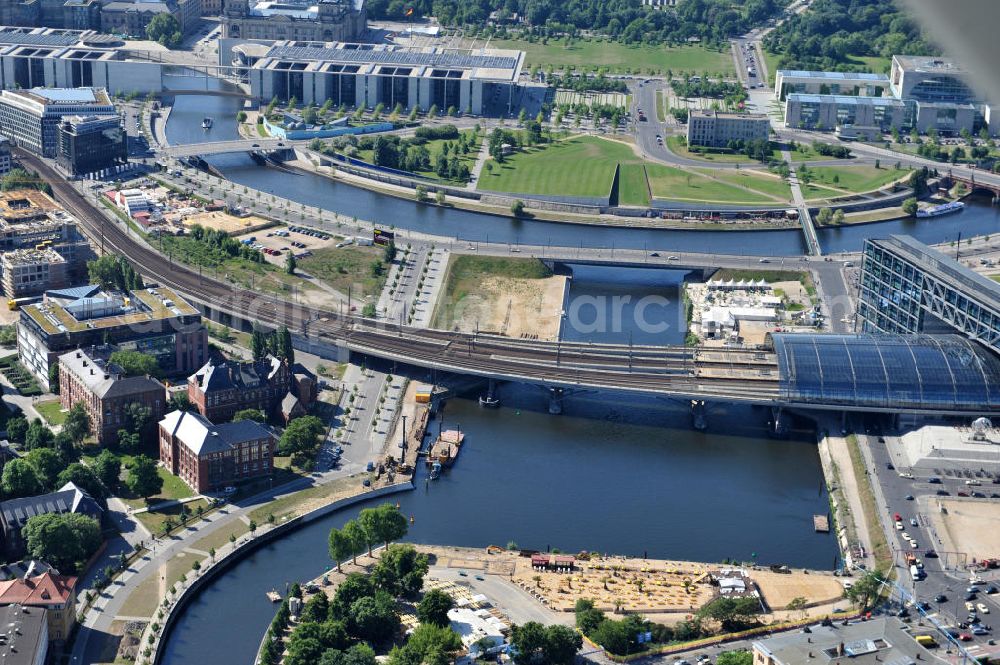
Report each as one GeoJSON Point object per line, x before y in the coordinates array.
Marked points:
{"type": "Point", "coordinates": [983, 608]}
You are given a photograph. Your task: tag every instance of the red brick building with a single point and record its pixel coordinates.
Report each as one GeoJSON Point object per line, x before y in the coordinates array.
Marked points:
{"type": "Point", "coordinates": [210, 457]}
{"type": "Point", "coordinates": [86, 376]}
{"type": "Point", "coordinates": [219, 390]}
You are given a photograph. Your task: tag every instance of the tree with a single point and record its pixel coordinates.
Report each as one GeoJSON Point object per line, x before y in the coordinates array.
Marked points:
{"type": "Point", "coordinates": [47, 464]}
{"type": "Point", "coordinates": [340, 546]}
{"type": "Point", "coordinates": [865, 591]}
{"type": "Point", "coordinates": [588, 618]}
{"type": "Point", "coordinates": [433, 607]}
{"type": "Point", "coordinates": [143, 479]}
{"type": "Point", "coordinates": [517, 208]}
{"type": "Point", "coordinates": [128, 442]}
{"type": "Point", "coordinates": [241, 117]}
{"type": "Point", "coordinates": [400, 570]}
{"type": "Point", "coordinates": [301, 436]}
{"type": "Point", "coordinates": [258, 343]}
{"type": "Point", "coordinates": [382, 524]}
{"type": "Point", "coordinates": [529, 641]}
{"type": "Point", "coordinates": [290, 263]}
{"type": "Point", "coordinates": [354, 587]}
{"type": "Point", "coordinates": [317, 610]}
{"type": "Point", "coordinates": [824, 216]}
{"type": "Point", "coordinates": [732, 613]}
{"type": "Point", "coordinates": [283, 348]}
{"type": "Point", "coordinates": [20, 479]}
{"type": "Point", "coordinates": [179, 401]}
{"type": "Point", "coordinates": [64, 540]}
{"type": "Point", "coordinates": [38, 435]}
{"type": "Point", "coordinates": [83, 477]}
{"type": "Point", "coordinates": [108, 467]}
{"type": "Point", "coordinates": [910, 206]}
{"type": "Point", "coordinates": [421, 193]}
{"type": "Point", "coordinates": [439, 197]}
{"type": "Point", "coordinates": [356, 534]}
{"type": "Point", "coordinates": [373, 618]}
{"type": "Point", "coordinates": [17, 427]}
{"type": "Point", "coordinates": [429, 644]}
{"type": "Point", "coordinates": [54, 379]}
{"type": "Point", "coordinates": [838, 217]}
{"type": "Point", "coordinates": [561, 644]}
{"type": "Point", "coordinates": [77, 423]}
{"type": "Point", "coordinates": [165, 29]}
{"type": "Point", "coordinates": [255, 415]}
{"type": "Point", "coordinates": [135, 363]}
{"type": "Point", "coordinates": [136, 416]}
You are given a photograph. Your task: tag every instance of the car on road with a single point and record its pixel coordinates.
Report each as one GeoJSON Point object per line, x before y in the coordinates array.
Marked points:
{"type": "Point", "coordinates": [889, 466]}
{"type": "Point", "coordinates": [969, 606]}
{"type": "Point", "coordinates": [930, 554]}
{"type": "Point", "coordinates": [971, 595]}
{"type": "Point", "coordinates": [991, 590]}
{"type": "Point", "coordinates": [965, 637]}
{"type": "Point", "coordinates": [943, 493]}
{"type": "Point", "coordinates": [229, 491]}
{"type": "Point", "coordinates": [764, 261]}
{"type": "Point", "coordinates": [654, 254]}
{"type": "Point", "coordinates": [909, 497]}
{"type": "Point", "coordinates": [940, 598]}
{"type": "Point", "coordinates": [980, 629]}
{"type": "Point", "coordinates": [672, 258]}
{"type": "Point", "coordinates": [913, 521]}
{"type": "Point", "coordinates": [983, 609]}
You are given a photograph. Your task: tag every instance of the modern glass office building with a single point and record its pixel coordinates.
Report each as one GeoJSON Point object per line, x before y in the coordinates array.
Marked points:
{"type": "Point", "coordinates": [907, 287]}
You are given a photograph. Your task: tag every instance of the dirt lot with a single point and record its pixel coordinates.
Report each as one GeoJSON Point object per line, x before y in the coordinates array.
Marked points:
{"type": "Point", "coordinates": [223, 221]}
{"type": "Point", "coordinates": [493, 296]}
{"type": "Point", "coordinates": [969, 526]}
{"type": "Point", "coordinates": [780, 589]}
{"type": "Point", "coordinates": [270, 240]}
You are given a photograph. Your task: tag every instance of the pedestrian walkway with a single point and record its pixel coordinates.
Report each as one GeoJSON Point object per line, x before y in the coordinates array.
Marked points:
{"type": "Point", "coordinates": [477, 168]}
{"type": "Point", "coordinates": [808, 228]}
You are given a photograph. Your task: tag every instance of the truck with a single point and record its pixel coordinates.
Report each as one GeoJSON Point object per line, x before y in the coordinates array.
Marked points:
{"type": "Point", "coordinates": [926, 641]}
{"type": "Point", "coordinates": [916, 573]}
{"type": "Point", "coordinates": [363, 242]}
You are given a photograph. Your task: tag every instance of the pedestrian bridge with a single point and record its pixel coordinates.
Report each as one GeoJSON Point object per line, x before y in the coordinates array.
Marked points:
{"type": "Point", "coordinates": [223, 147]}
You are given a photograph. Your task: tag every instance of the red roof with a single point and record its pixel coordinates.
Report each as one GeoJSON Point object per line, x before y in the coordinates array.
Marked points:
{"type": "Point", "coordinates": [44, 589]}
{"type": "Point", "coordinates": [565, 559]}
{"type": "Point", "coordinates": [539, 559]}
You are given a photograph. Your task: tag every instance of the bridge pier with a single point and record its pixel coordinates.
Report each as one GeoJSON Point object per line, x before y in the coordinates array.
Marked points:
{"type": "Point", "coordinates": [779, 422]}
{"type": "Point", "coordinates": [699, 419]}
{"type": "Point", "coordinates": [555, 401]}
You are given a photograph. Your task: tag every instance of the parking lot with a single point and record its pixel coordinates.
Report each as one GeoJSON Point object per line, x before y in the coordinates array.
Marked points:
{"type": "Point", "coordinates": [276, 243]}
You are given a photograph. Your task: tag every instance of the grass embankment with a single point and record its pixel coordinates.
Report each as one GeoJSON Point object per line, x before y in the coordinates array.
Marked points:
{"type": "Point", "coordinates": [155, 519]}
{"type": "Point", "coordinates": [465, 279]}
{"type": "Point", "coordinates": [51, 411]}
{"type": "Point", "coordinates": [173, 488]}
{"type": "Point", "coordinates": [678, 146]}
{"type": "Point", "coordinates": [855, 178]}
{"type": "Point", "coordinates": [661, 106]}
{"type": "Point", "coordinates": [579, 166]}
{"type": "Point", "coordinates": [299, 503]}
{"type": "Point", "coordinates": [350, 267]}
{"type": "Point", "coordinates": [618, 57]}
{"type": "Point", "coordinates": [633, 189]}
{"type": "Point", "coordinates": [668, 182]}
{"type": "Point", "coordinates": [758, 181]}
{"type": "Point", "coordinates": [876, 536]}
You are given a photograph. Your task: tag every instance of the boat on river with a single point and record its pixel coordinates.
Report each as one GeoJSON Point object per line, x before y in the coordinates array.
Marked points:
{"type": "Point", "coordinates": [445, 449]}
{"type": "Point", "coordinates": [943, 209]}
{"type": "Point", "coordinates": [206, 123]}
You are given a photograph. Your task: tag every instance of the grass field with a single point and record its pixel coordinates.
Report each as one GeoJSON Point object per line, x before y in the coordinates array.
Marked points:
{"type": "Point", "coordinates": [755, 180]}
{"type": "Point", "coordinates": [465, 275]}
{"type": "Point", "coordinates": [581, 166]}
{"type": "Point", "coordinates": [667, 182]}
{"type": "Point", "coordinates": [619, 57]}
{"type": "Point", "coordinates": [872, 63]}
{"type": "Point", "coordinates": [348, 267]}
{"type": "Point", "coordinates": [51, 411]}
{"type": "Point", "coordinates": [153, 520]}
{"type": "Point", "coordinates": [679, 147]}
{"type": "Point", "coordinates": [855, 178]}
{"type": "Point", "coordinates": [661, 106]}
{"type": "Point", "coordinates": [632, 189]}
{"type": "Point", "coordinates": [771, 60]}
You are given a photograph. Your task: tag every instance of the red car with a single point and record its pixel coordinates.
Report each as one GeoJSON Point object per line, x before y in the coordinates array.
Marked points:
{"type": "Point", "coordinates": [965, 637]}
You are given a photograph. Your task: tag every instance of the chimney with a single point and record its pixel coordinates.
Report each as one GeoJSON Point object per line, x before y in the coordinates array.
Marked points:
{"type": "Point", "coordinates": [92, 371]}
{"type": "Point", "coordinates": [84, 363]}
{"type": "Point", "coordinates": [840, 649]}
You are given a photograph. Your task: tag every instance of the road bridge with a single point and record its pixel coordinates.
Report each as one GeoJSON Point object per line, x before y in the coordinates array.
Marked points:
{"type": "Point", "coordinates": [223, 147]}
{"type": "Point", "coordinates": [794, 373]}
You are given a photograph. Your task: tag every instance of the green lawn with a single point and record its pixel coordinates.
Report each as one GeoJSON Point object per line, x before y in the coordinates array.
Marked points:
{"type": "Point", "coordinates": [661, 106]}
{"type": "Point", "coordinates": [618, 57]}
{"type": "Point", "coordinates": [51, 411]}
{"type": "Point", "coordinates": [348, 267]}
{"type": "Point", "coordinates": [679, 147]}
{"type": "Point", "coordinates": [872, 63]}
{"type": "Point", "coordinates": [856, 177]}
{"type": "Point", "coordinates": [667, 182]}
{"type": "Point", "coordinates": [173, 488]}
{"type": "Point", "coordinates": [262, 131]}
{"type": "Point", "coordinates": [580, 166]}
{"type": "Point", "coordinates": [771, 60]}
{"type": "Point", "coordinates": [813, 192]}
{"type": "Point", "coordinates": [632, 188]}
{"type": "Point", "coordinates": [755, 180]}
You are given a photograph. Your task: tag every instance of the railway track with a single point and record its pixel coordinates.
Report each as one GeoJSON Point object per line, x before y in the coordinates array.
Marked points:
{"type": "Point", "coordinates": [650, 369]}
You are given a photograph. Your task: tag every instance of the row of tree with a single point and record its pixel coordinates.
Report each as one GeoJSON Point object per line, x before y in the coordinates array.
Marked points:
{"type": "Point", "coordinates": [114, 272]}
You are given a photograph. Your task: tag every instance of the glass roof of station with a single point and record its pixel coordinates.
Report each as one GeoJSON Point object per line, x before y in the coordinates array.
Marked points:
{"type": "Point", "coordinates": [941, 373]}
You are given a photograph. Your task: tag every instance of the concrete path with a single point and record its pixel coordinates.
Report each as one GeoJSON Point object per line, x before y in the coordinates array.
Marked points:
{"type": "Point", "coordinates": [477, 168]}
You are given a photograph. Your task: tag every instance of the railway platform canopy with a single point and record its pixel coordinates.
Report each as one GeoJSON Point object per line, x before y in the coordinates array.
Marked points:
{"type": "Point", "coordinates": [935, 374]}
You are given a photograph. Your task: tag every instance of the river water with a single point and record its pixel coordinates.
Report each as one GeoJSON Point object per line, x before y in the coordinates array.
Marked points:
{"type": "Point", "coordinates": [612, 473]}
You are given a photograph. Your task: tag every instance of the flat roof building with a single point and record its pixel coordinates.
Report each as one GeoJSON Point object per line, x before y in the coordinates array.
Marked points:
{"type": "Point", "coordinates": [716, 129]}
{"type": "Point", "coordinates": [371, 74]}
{"type": "Point", "coordinates": [908, 287]}
{"type": "Point", "coordinates": [30, 118]}
{"type": "Point", "coordinates": [30, 272]}
{"type": "Point", "coordinates": [48, 591]}
{"type": "Point", "coordinates": [26, 635]}
{"type": "Point", "coordinates": [864, 84]}
{"type": "Point", "coordinates": [878, 640]}
{"type": "Point", "coordinates": [930, 79]}
{"type": "Point", "coordinates": [91, 144]}
{"type": "Point", "coordinates": [811, 111]}
{"type": "Point", "coordinates": [30, 219]}
{"type": "Point", "coordinates": [153, 321]}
